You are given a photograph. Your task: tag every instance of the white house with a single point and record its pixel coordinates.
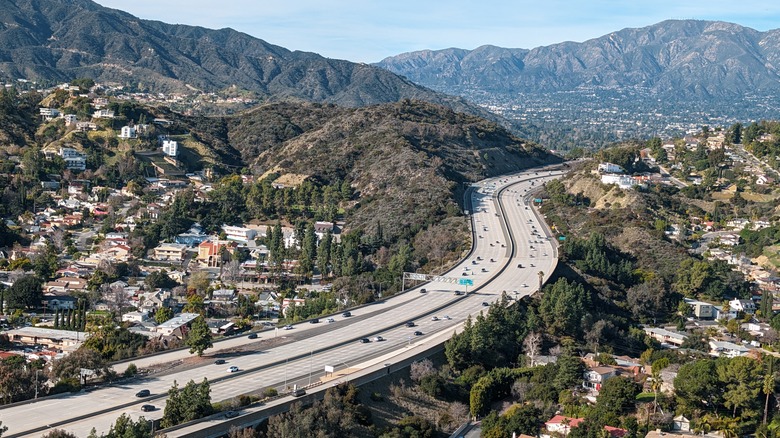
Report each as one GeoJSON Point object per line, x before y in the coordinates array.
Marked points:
{"type": "Point", "coordinates": [74, 160]}
{"type": "Point", "coordinates": [170, 148]}
{"type": "Point", "coordinates": [49, 113]}
{"type": "Point", "coordinates": [239, 234]}
{"type": "Point", "coordinates": [727, 349]}
{"type": "Point", "coordinates": [701, 309]}
{"type": "Point", "coordinates": [593, 378]}
{"type": "Point", "coordinates": [623, 181]}
{"type": "Point", "coordinates": [170, 252]}
{"type": "Point", "coordinates": [665, 336]}
{"type": "Point", "coordinates": [103, 114]}
{"type": "Point", "coordinates": [70, 119]}
{"type": "Point", "coordinates": [744, 306]}
{"type": "Point", "coordinates": [610, 168]}
{"type": "Point", "coordinates": [128, 132]}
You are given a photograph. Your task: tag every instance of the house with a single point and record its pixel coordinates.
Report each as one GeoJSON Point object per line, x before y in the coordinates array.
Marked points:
{"type": "Point", "coordinates": [177, 326]}
{"type": "Point", "coordinates": [665, 336]}
{"type": "Point", "coordinates": [224, 295]}
{"type": "Point", "coordinates": [51, 338]}
{"type": "Point", "coordinates": [727, 349]}
{"type": "Point", "coordinates": [170, 252]}
{"type": "Point", "coordinates": [763, 180]}
{"type": "Point", "coordinates": [211, 252]}
{"type": "Point", "coordinates": [593, 378]}
{"type": "Point", "coordinates": [239, 234]}
{"type": "Point", "coordinates": [742, 306]}
{"type": "Point", "coordinates": [86, 126]}
{"type": "Point", "coordinates": [194, 236]}
{"type": "Point", "coordinates": [170, 148]}
{"type": "Point", "coordinates": [103, 114]}
{"type": "Point", "coordinates": [135, 316]}
{"type": "Point", "coordinates": [48, 113]}
{"type": "Point", "coordinates": [221, 327]}
{"type": "Point", "coordinates": [59, 302]}
{"type": "Point", "coordinates": [70, 119]}
{"type": "Point", "coordinates": [128, 132]}
{"type": "Point", "coordinates": [701, 309]}
{"type": "Point", "coordinates": [622, 181]}
{"type": "Point", "coordinates": [681, 424]}
{"type": "Point", "coordinates": [74, 160]}
{"type": "Point", "coordinates": [610, 168]}
{"type": "Point", "coordinates": [561, 424]}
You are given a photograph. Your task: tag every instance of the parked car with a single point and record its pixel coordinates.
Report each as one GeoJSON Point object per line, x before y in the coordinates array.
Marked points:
{"type": "Point", "coordinates": [299, 392]}
{"type": "Point", "coordinates": [143, 393]}
{"type": "Point", "coordinates": [219, 362]}
{"type": "Point", "coordinates": [232, 369]}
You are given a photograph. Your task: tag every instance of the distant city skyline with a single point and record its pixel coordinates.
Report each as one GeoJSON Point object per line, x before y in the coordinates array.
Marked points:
{"type": "Point", "coordinates": [369, 31]}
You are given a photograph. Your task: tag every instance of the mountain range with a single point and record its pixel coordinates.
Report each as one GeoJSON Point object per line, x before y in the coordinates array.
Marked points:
{"type": "Point", "coordinates": [60, 40]}
{"type": "Point", "coordinates": [671, 59]}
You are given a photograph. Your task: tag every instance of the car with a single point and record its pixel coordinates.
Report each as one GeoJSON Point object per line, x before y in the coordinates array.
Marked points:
{"type": "Point", "coordinates": [314, 321]}
{"type": "Point", "coordinates": [435, 318]}
{"type": "Point", "coordinates": [466, 268]}
{"type": "Point", "coordinates": [458, 292]}
{"type": "Point", "coordinates": [503, 246]}
{"type": "Point", "coordinates": [143, 393]}
{"type": "Point", "coordinates": [365, 341]}
{"type": "Point", "coordinates": [219, 362]}
{"type": "Point", "coordinates": [532, 265]}
{"type": "Point", "coordinates": [423, 290]}
{"type": "Point", "coordinates": [465, 274]}
{"type": "Point", "coordinates": [148, 408]}
{"type": "Point", "coordinates": [484, 270]}
{"type": "Point", "coordinates": [479, 258]}
{"type": "Point", "coordinates": [519, 265]}
{"type": "Point", "coordinates": [447, 317]}
{"type": "Point", "coordinates": [299, 392]}
{"type": "Point", "coordinates": [418, 333]}
{"type": "Point", "coordinates": [485, 303]}
{"type": "Point", "coordinates": [473, 262]}
{"type": "Point", "coordinates": [232, 369]}
{"type": "Point", "coordinates": [493, 260]}
{"type": "Point", "coordinates": [288, 327]}
{"type": "Point", "coordinates": [480, 236]}
{"type": "Point", "coordinates": [346, 314]}
{"type": "Point", "coordinates": [379, 339]}
{"type": "Point", "coordinates": [252, 336]}
{"type": "Point", "coordinates": [330, 320]}
{"type": "Point", "coordinates": [525, 285]}
{"type": "Point", "coordinates": [410, 323]}
{"type": "Point", "coordinates": [231, 414]}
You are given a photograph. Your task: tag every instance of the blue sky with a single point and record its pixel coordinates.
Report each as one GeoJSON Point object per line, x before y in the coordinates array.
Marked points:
{"type": "Point", "coordinates": [370, 30]}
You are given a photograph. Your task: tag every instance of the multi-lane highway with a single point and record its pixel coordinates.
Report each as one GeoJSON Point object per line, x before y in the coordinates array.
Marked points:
{"type": "Point", "coordinates": [512, 249]}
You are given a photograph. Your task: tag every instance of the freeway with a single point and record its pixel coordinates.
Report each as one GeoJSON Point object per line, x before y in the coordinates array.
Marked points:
{"type": "Point", "coordinates": [511, 248]}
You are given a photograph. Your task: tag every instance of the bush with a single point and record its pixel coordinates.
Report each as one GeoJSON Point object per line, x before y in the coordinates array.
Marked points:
{"type": "Point", "coordinates": [270, 392]}
{"type": "Point", "coordinates": [377, 397]}
{"type": "Point", "coordinates": [131, 370]}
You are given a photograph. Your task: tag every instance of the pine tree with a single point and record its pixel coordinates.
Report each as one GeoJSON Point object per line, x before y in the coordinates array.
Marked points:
{"type": "Point", "coordinates": [57, 318]}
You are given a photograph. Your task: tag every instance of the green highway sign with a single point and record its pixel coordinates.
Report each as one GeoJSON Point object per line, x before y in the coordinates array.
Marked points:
{"type": "Point", "coordinates": [465, 282]}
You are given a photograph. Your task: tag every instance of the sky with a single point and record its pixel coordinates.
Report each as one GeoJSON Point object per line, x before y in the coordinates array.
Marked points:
{"type": "Point", "coordinates": [370, 30]}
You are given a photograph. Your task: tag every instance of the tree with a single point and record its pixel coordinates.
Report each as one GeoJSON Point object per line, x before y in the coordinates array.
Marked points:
{"type": "Point", "coordinates": [70, 366]}
{"type": "Point", "coordinates": [26, 292]}
{"type": "Point", "coordinates": [743, 382]}
{"type": "Point", "coordinates": [160, 279]}
{"type": "Point", "coordinates": [3, 429]}
{"type": "Point", "coordinates": [199, 337]}
{"type": "Point", "coordinates": [186, 404]}
{"type": "Point", "coordinates": [532, 346]}
{"type": "Point", "coordinates": [163, 314]}
{"type": "Point", "coordinates": [126, 427]}
{"type": "Point", "coordinates": [59, 433]}
{"type": "Point", "coordinates": [616, 397]}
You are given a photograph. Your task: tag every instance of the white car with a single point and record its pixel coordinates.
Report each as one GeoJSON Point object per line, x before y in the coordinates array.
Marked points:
{"type": "Point", "coordinates": [232, 369]}
{"type": "Point", "coordinates": [331, 320]}
{"type": "Point", "coordinates": [379, 339]}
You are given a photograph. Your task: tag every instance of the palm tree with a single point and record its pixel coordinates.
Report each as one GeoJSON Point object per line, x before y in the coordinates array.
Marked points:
{"type": "Point", "coordinates": [769, 384]}
{"type": "Point", "coordinates": [656, 386]}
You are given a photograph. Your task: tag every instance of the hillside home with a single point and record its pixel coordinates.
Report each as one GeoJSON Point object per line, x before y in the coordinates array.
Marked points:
{"type": "Point", "coordinates": [86, 126]}
{"type": "Point", "coordinates": [170, 252]}
{"type": "Point", "coordinates": [210, 252]}
{"type": "Point", "coordinates": [74, 160]}
{"type": "Point", "coordinates": [701, 309]}
{"type": "Point", "coordinates": [593, 378]}
{"type": "Point", "coordinates": [239, 234]}
{"type": "Point", "coordinates": [610, 168]}
{"type": "Point", "coordinates": [128, 132]}
{"type": "Point", "coordinates": [170, 148]}
{"type": "Point", "coordinates": [51, 338]}
{"type": "Point", "coordinates": [103, 114]}
{"type": "Point", "coordinates": [561, 424]}
{"type": "Point", "coordinates": [224, 295]}
{"type": "Point", "coordinates": [727, 349]}
{"type": "Point", "coordinates": [744, 306]}
{"type": "Point", "coordinates": [622, 181]}
{"type": "Point", "coordinates": [70, 119]}
{"type": "Point", "coordinates": [49, 113]}
{"type": "Point", "coordinates": [666, 337]}
{"type": "Point", "coordinates": [59, 302]}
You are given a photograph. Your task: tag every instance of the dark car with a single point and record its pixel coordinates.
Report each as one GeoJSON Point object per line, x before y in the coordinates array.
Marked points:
{"type": "Point", "coordinates": [219, 362]}
{"type": "Point", "coordinates": [252, 336]}
{"type": "Point", "coordinates": [485, 303]}
{"type": "Point", "coordinates": [410, 324]}
{"type": "Point", "coordinates": [148, 408]}
{"type": "Point", "coordinates": [231, 414]}
{"type": "Point", "coordinates": [418, 333]}
{"type": "Point", "coordinates": [143, 393]}
{"type": "Point", "coordinates": [422, 291]}
{"type": "Point", "coordinates": [299, 392]}
{"type": "Point", "coordinates": [346, 314]}
{"type": "Point", "coordinates": [365, 341]}
{"type": "Point", "coordinates": [314, 321]}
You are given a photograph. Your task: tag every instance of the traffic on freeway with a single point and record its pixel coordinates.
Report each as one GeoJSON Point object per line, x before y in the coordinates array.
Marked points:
{"type": "Point", "coordinates": [511, 248]}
